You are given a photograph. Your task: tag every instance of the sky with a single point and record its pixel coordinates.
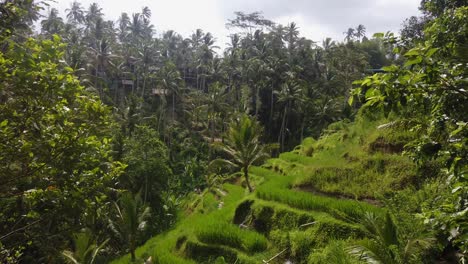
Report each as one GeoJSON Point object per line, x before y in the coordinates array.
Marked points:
{"type": "Point", "coordinates": [316, 19]}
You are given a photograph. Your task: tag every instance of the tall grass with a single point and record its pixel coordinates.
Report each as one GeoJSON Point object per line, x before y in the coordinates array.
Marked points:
{"type": "Point", "coordinates": [220, 233]}
{"type": "Point", "coordinates": [277, 189]}
{"type": "Point", "coordinates": [368, 177]}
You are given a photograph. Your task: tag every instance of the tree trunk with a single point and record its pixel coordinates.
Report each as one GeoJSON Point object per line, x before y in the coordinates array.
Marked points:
{"type": "Point", "coordinates": [132, 248]}
{"type": "Point", "coordinates": [96, 80]}
{"type": "Point", "coordinates": [271, 111]}
{"type": "Point", "coordinates": [283, 124]}
{"type": "Point", "coordinates": [144, 86]}
{"type": "Point", "coordinates": [173, 107]}
{"type": "Point", "coordinates": [198, 87]}
{"type": "Point", "coordinates": [247, 181]}
{"type": "Point", "coordinates": [257, 100]}
{"type": "Point", "coordinates": [146, 189]}
{"type": "Point", "coordinates": [302, 129]}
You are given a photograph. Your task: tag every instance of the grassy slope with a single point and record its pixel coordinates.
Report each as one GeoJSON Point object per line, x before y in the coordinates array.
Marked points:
{"type": "Point", "coordinates": [307, 202]}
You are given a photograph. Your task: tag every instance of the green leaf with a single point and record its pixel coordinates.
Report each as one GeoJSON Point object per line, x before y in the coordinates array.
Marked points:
{"type": "Point", "coordinates": [391, 68]}
{"type": "Point", "coordinates": [413, 52]}
{"type": "Point", "coordinates": [431, 52]}
{"type": "Point", "coordinates": [379, 35]}
{"type": "Point", "coordinates": [417, 60]}
{"type": "Point", "coordinates": [372, 92]}
{"type": "Point", "coordinates": [4, 123]}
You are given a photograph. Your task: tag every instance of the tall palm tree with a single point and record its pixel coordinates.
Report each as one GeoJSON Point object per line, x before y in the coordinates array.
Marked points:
{"type": "Point", "coordinates": [53, 23]}
{"type": "Point", "coordinates": [291, 37]}
{"type": "Point", "coordinates": [328, 44]}
{"type": "Point", "coordinates": [232, 61]}
{"type": "Point", "coordinates": [349, 34]}
{"type": "Point", "coordinates": [289, 94]}
{"type": "Point", "coordinates": [101, 58]}
{"type": "Point", "coordinates": [360, 31]}
{"type": "Point", "coordinates": [215, 107]}
{"type": "Point", "coordinates": [169, 79]}
{"type": "Point", "coordinates": [75, 13]}
{"type": "Point", "coordinates": [206, 55]}
{"type": "Point", "coordinates": [93, 13]}
{"type": "Point", "coordinates": [147, 56]}
{"type": "Point", "coordinates": [243, 146]}
{"type": "Point", "coordinates": [123, 27]}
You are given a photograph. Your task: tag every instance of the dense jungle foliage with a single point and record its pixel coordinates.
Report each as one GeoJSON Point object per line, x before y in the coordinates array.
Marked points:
{"type": "Point", "coordinates": [121, 145]}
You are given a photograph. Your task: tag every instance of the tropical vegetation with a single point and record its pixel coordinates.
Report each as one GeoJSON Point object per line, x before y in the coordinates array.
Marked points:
{"type": "Point", "coordinates": [121, 145]}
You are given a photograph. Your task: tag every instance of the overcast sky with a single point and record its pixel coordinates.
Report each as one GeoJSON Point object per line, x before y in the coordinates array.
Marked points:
{"type": "Point", "coordinates": [317, 19]}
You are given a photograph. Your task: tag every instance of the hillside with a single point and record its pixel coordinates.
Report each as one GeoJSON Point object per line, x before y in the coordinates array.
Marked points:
{"type": "Point", "coordinates": [307, 206]}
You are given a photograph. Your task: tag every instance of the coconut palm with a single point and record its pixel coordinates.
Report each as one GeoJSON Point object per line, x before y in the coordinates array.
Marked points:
{"type": "Point", "coordinates": [349, 34]}
{"type": "Point", "coordinates": [169, 79]}
{"type": "Point", "coordinates": [75, 13]}
{"type": "Point", "coordinates": [360, 31]}
{"type": "Point", "coordinates": [123, 27]}
{"type": "Point", "coordinates": [53, 23]}
{"type": "Point", "coordinates": [289, 94]}
{"type": "Point", "coordinates": [243, 146]}
{"type": "Point", "coordinates": [328, 44]}
{"type": "Point", "coordinates": [93, 13]}
{"type": "Point", "coordinates": [101, 59]}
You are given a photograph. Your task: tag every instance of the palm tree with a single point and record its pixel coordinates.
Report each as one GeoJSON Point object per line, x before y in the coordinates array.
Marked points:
{"type": "Point", "coordinates": [386, 246]}
{"type": "Point", "coordinates": [206, 54]}
{"type": "Point", "coordinates": [328, 44]}
{"type": "Point", "coordinates": [326, 110]}
{"type": "Point", "coordinates": [289, 94]}
{"type": "Point", "coordinates": [233, 65]}
{"type": "Point", "coordinates": [93, 14]}
{"type": "Point", "coordinates": [291, 37]}
{"type": "Point", "coordinates": [86, 249]}
{"type": "Point", "coordinates": [101, 58]}
{"type": "Point", "coordinates": [216, 108]}
{"type": "Point", "coordinates": [131, 219]}
{"type": "Point", "coordinates": [169, 78]}
{"type": "Point", "coordinates": [360, 31]}
{"type": "Point", "coordinates": [350, 34]}
{"type": "Point", "coordinates": [53, 23]}
{"type": "Point", "coordinates": [147, 56]}
{"type": "Point", "coordinates": [75, 13]}
{"type": "Point", "coordinates": [124, 22]}
{"type": "Point", "coordinates": [243, 146]}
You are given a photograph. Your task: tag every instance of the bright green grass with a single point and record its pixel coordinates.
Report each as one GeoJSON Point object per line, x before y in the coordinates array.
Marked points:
{"type": "Point", "coordinates": [367, 178]}
{"type": "Point", "coordinates": [347, 163]}
{"type": "Point", "coordinates": [163, 247]}
{"type": "Point", "coordinates": [277, 189]}
{"type": "Point", "coordinates": [226, 234]}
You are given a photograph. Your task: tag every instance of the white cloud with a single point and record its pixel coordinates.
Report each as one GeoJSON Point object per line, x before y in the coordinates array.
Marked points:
{"type": "Point", "coordinates": [317, 19]}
